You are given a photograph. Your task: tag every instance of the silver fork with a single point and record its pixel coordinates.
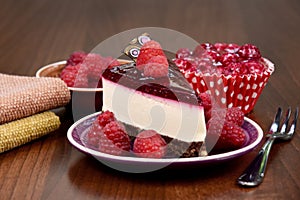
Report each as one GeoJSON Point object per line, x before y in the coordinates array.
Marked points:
{"type": "Point", "coordinates": [255, 172]}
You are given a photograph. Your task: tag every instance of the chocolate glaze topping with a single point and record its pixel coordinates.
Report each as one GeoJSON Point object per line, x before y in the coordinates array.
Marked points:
{"type": "Point", "coordinates": [174, 86]}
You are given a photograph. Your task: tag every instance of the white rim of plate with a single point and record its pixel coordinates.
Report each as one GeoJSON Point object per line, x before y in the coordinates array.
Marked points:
{"type": "Point", "coordinates": [222, 156]}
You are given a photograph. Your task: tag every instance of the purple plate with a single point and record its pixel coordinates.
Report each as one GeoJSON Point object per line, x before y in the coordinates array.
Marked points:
{"type": "Point", "coordinates": [141, 165]}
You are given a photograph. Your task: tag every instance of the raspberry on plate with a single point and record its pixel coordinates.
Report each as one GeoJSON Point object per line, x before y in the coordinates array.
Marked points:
{"type": "Point", "coordinates": [230, 136]}
{"type": "Point", "coordinates": [114, 139]}
{"type": "Point", "coordinates": [149, 144]}
{"type": "Point", "coordinates": [84, 70]}
{"type": "Point", "coordinates": [69, 73]}
{"type": "Point", "coordinates": [76, 57]}
{"type": "Point", "coordinates": [108, 135]}
{"type": "Point", "coordinates": [105, 118]}
{"type": "Point", "coordinates": [235, 116]}
{"type": "Point", "coordinates": [225, 124]}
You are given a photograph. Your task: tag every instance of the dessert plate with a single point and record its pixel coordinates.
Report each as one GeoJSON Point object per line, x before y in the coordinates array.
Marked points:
{"type": "Point", "coordinates": [140, 165]}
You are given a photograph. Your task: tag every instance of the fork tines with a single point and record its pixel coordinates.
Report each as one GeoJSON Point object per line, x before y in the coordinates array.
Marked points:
{"type": "Point", "coordinates": [294, 122]}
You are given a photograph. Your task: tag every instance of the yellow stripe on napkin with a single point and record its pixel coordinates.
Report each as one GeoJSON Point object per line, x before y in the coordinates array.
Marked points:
{"type": "Point", "coordinates": [21, 131]}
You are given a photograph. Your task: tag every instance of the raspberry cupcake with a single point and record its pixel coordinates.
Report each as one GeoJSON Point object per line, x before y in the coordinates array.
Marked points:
{"type": "Point", "coordinates": [234, 75]}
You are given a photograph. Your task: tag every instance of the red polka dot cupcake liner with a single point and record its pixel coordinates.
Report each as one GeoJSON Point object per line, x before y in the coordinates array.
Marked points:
{"type": "Point", "coordinates": [240, 91]}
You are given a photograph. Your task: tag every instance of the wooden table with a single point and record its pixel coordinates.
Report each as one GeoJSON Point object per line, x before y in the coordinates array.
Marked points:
{"type": "Point", "coordinates": [37, 32]}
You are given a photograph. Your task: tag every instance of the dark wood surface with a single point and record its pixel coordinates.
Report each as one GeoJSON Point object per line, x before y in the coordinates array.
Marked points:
{"type": "Point", "coordinates": [37, 32]}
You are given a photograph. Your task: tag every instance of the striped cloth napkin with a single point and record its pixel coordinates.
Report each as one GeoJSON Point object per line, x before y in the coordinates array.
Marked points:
{"type": "Point", "coordinates": [24, 108]}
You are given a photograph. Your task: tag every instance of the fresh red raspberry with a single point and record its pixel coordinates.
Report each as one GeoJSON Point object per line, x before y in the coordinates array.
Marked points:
{"type": "Point", "coordinates": [232, 48]}
{"type": "Point", "coordinates": [249, 51]}
{"type": "Point", "coordinates": [76, 58]}
{"type": "Point", "coordinates": [149, 144]}
{"type": "Point", "coordinates": [230, 137]}
{"type": "Point", "coordinates": [87, 70]}
{"type": "Point", "coordinates": [157, 67]}
{"type": "Point", "coordinates": [94, 63]}
{"type": "Point", "coordinates": [183, 53]}
{"type": "Point", "coordinates": [235, 69]}
{"type": "Point", "coordinates": [74, 76]}
{"type": "Point", "coordinates": [147, 51]}
{"type": "Point", "coordinates": [254, 67]}
{"type": "Point", "coordinates": [228, 58]}
{"type": "Point", "coordinates": [220, 47]}
{"type": "Point", "coordinates": [235, 115]}
{"type": "Point", "coordinates": [213, 55]}
{"type": "Point", "coordinates": [114, 139]}
{"type": "Point", "coordinates": [93, 136]}
{"type": "Point", "coordinates": [105, 118]}
{"type": "Point", "coordinates": [81, 81]}
{"type": "Point", "coordinates": [108, 135]}
{"type": "Point", "coordinates": [69, 73]}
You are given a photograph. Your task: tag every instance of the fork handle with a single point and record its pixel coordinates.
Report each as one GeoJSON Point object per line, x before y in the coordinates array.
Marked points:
{"type": "Point", "coordinates": [255, 172]}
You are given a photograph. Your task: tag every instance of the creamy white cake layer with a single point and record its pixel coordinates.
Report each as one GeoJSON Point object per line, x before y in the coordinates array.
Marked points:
{"type": "Point", "coordinates": [171, 118]}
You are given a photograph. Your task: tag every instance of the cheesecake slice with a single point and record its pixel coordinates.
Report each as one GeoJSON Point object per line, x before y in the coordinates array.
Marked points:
{"type": "Point", "coordinates": [166, 104]}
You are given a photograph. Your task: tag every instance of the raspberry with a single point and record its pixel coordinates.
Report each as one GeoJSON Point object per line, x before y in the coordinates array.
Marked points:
{"type": "Point", "coordinates": [221, 58]}
{"type": "Point", "coordinates": [74, 76]}
{"type": "Point", "coordinates": [105, 118]}
{"type": "Point", "coordinates": [94, 135]}
{"type": "Point", "coordinates": [81, 81]}
{"type": "Point", "coordinates": [221, 46]}
{"type": "Point", "coordinates": [253, 66]}
{"type": "Point", "coordinates": [69, 73]}
{"type": "Point", "coordinates": [235, 115]}
{"type": "Point", "coordinates": [249, 51]}
{"type": "Point", "coordinates": [183, 53]}
{"type": "Point", "coordinates": [232, 48]}
{"type": "Point", "coordinates": [76, 58]}
{"type": "Point", "coordinates": [108, 135]}
{"type": "Point", "coordinates": [149, 144]}
{"type": "Point", "coordinates": [94, 64]}
{"type": "Point", "coordinates": [228, 58]}
{"type": "Point", "coordinates": [148, 50]}
{"type": "Point", "coordinates": [231, 136]}
{"type": "Point", "coordinates": [114, 139]}
{"type": "Point", "coordinates": [87, 70]}
{"type": "Point", "coordinates": [213, 55]}
{"type": "Point", "coordinates": [235, 69]}
{"type": "Point", "coordinates": [157, 67]}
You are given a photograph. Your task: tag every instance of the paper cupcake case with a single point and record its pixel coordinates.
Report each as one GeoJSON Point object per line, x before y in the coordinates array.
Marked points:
{"type": "Point", "coordinates": [233, 91]}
